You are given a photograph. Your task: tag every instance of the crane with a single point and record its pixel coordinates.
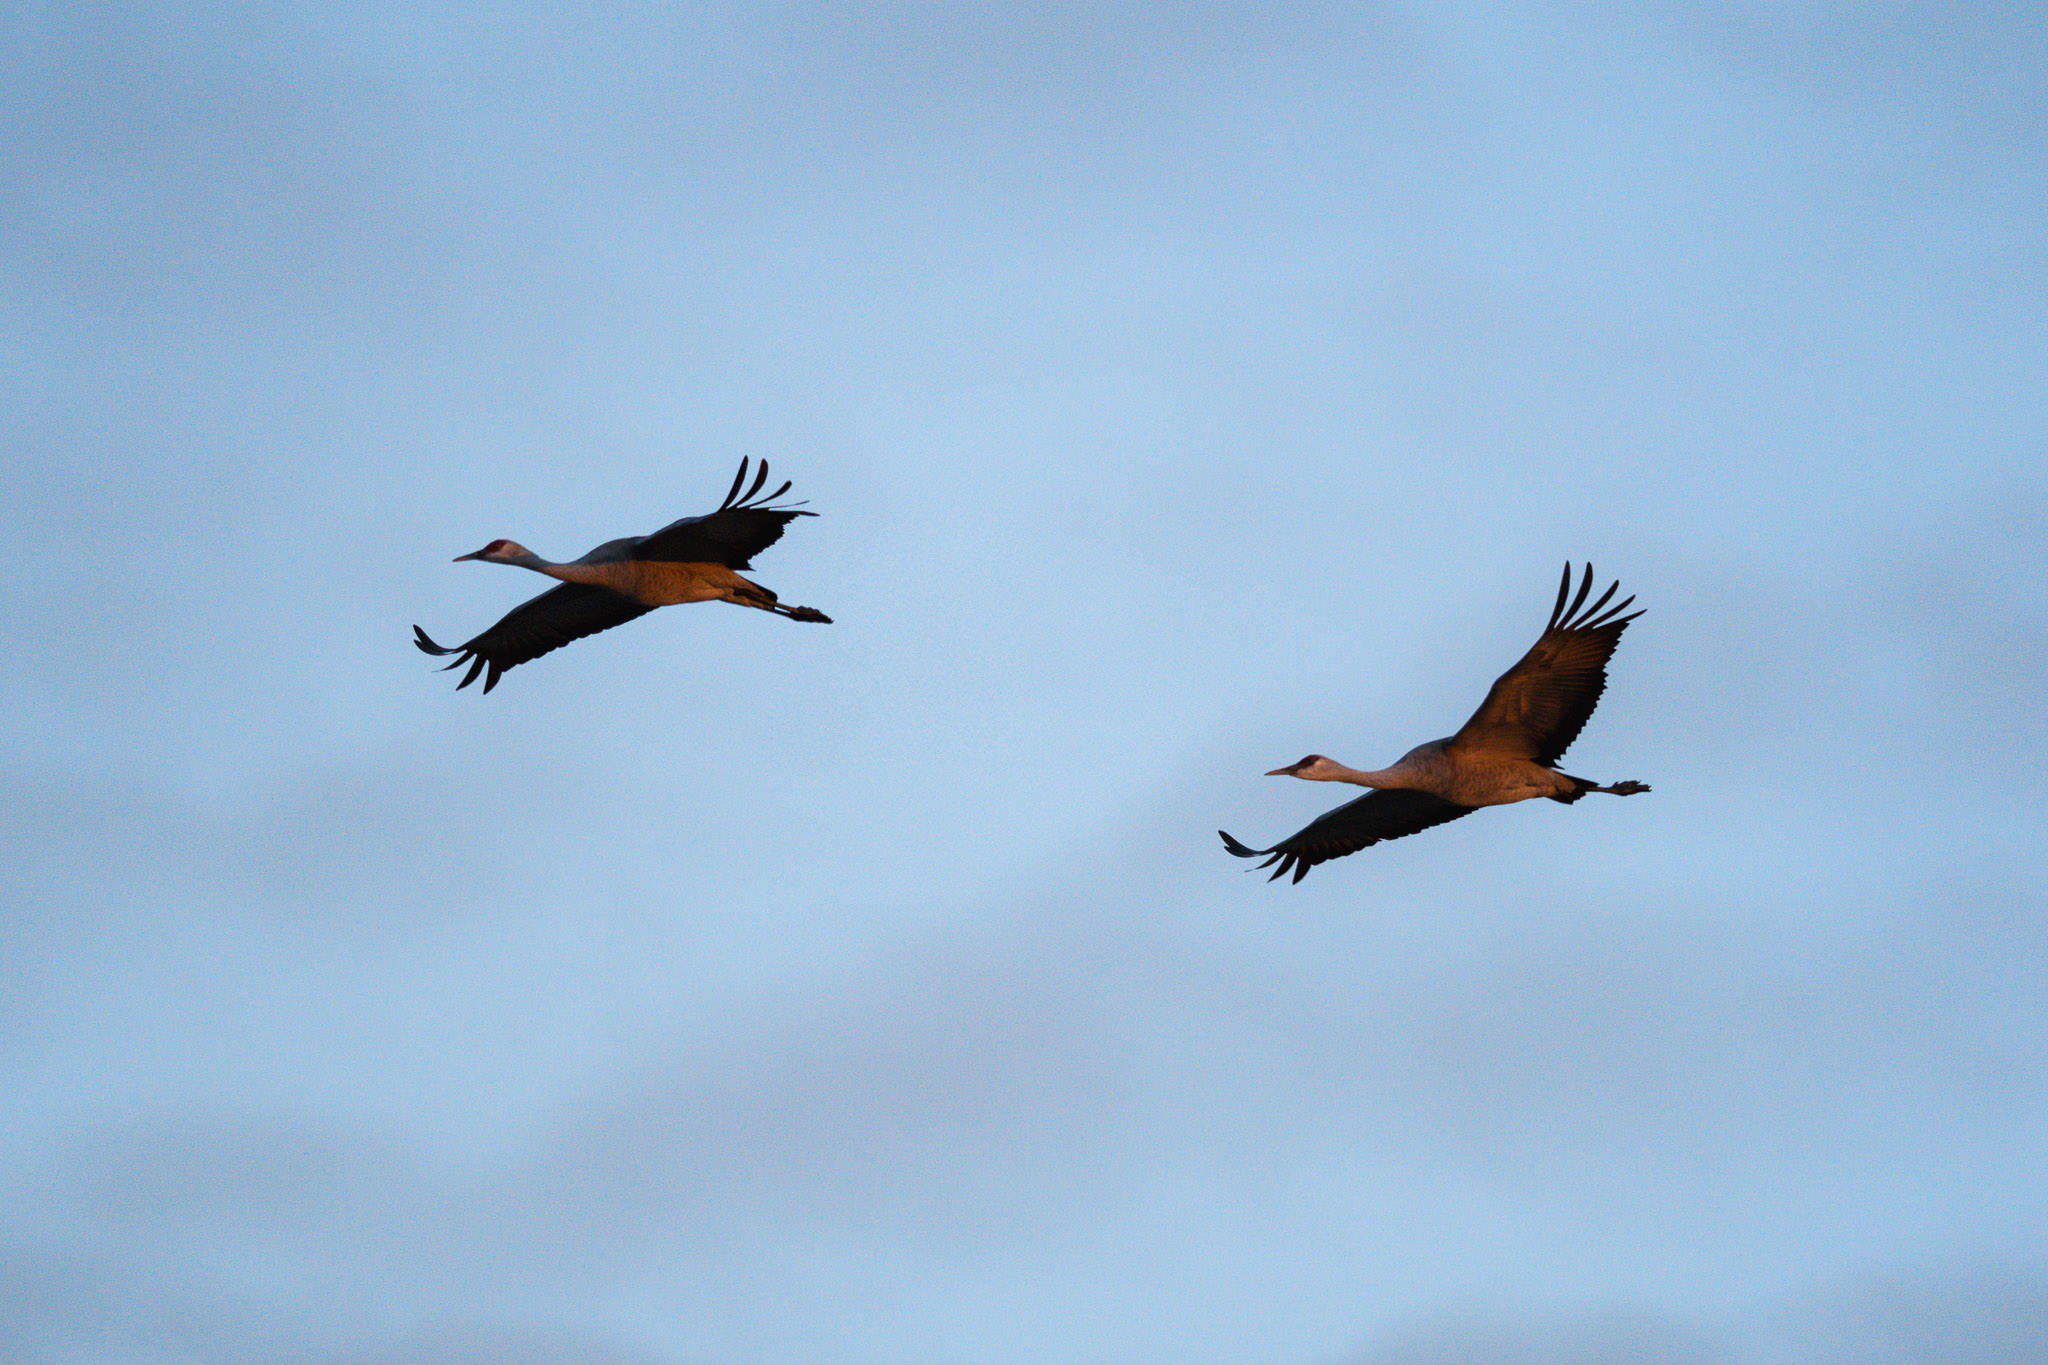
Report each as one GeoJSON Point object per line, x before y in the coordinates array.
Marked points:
{"type": "Point", "coordinates": [691, 560]}
{"type": "Point", "coordinates": [1506, 752]}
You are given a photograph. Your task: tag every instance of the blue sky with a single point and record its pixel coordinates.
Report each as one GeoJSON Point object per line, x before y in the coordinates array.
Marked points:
{"type": "Point", "coordinates": [1182, 389]}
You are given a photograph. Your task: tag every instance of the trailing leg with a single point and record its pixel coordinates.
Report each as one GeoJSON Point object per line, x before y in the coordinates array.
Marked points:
{"type": "Point", "coordinates": [1580, 786]}
{"type": "Point", "coordinates": [751, 594]}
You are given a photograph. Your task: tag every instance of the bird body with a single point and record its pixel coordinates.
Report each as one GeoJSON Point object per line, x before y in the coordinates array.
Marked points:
{"type": "Point", "coordinates": [650, 582]}
{"type": "Point", "coordinates": [1507, 751]}
{"type": "Point", "coordinates": [1471, 780]}
{"type": "Point", "coordinates": [695, 559]}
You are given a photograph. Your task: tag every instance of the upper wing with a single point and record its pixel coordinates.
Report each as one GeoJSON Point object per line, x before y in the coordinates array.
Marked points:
{"type": "Point", "coordinates": [531, 629]}
{"type": "Point", "coordinates": [1537, 708]}
{"type": "Point", "coordinates": [1373, 817]}
{"type": "Point", "coordinates": [741, 528]}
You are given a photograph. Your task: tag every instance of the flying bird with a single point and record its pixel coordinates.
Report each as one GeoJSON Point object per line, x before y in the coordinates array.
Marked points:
{"type": "Point", "coordinates": [691, 560]}
{"type": "Point", "coordinates": [1507, 751]}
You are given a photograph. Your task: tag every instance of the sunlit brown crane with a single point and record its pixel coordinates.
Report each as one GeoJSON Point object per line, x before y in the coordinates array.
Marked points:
{"type": "Point", "coordinates": [692, 560]}
{"type": "Point", "coordinates": [1507, 752]}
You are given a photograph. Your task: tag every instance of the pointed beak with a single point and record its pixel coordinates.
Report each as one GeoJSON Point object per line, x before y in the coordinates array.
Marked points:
{"type": "Point", "coordinates": [477, 554]}
{"type": "Point", "coordinates": [1283, 772]}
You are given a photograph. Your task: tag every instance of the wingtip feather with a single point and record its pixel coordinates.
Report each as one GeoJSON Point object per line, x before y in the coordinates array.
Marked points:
{"type": "Point", "coordinates": [1564, 588]}
{"type": "Point", "coordinates": [1585, 586]}
{"type": "Point", "coordinates": [1594, 610]}
{"type": "Point", "coordinates": [1613, 616]}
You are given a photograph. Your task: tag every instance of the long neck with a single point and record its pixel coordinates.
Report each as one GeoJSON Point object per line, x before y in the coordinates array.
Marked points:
{"type": "Point", "coordinates": [568, 573]}
{"type": "Point", "coordinates": [1392, 778]}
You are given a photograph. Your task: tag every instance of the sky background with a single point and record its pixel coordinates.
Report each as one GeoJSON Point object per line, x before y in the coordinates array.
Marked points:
{"type": "Point", "coordinates": [1182, 389]}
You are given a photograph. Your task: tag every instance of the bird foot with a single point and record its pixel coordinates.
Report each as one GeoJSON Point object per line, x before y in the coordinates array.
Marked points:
{"type": "Point", "coordinates": [1627, 788]}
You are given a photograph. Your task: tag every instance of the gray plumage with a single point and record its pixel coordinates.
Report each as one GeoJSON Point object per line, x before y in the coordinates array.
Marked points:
{"type": "Point", "coordinates": [1505, 753]}
{"type": "Point", "coordinates": [695, 559]}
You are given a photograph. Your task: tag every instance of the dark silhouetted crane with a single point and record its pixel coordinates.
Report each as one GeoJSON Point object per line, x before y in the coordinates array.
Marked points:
{"type": "Point", "coordinates": [692, 560]}
{"type": "Point", "coordinates": [1507, 752]}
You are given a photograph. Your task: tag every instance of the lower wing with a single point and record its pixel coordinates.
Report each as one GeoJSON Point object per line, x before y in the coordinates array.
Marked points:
{"type": "Point", "coordinates": [533, 628]}
{"type": "Point", "coordinates": [1371, 819]}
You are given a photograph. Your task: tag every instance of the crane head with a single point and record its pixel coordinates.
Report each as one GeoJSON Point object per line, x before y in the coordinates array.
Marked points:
{"type": "Point", "coordinates": [498, 552]}
{"type": "Point", "coordinates": [1314, 768]}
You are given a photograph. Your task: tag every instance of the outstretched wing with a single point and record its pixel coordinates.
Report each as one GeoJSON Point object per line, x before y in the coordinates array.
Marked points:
{"type": "Point", "coordinates": [1371, 819]}
{"type": "Point", "coordinates": [741, 528]}
{"type": "Point", "coordinates": [531, 629]}
{"type": "Point", "coordinates": [1537, 708]}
